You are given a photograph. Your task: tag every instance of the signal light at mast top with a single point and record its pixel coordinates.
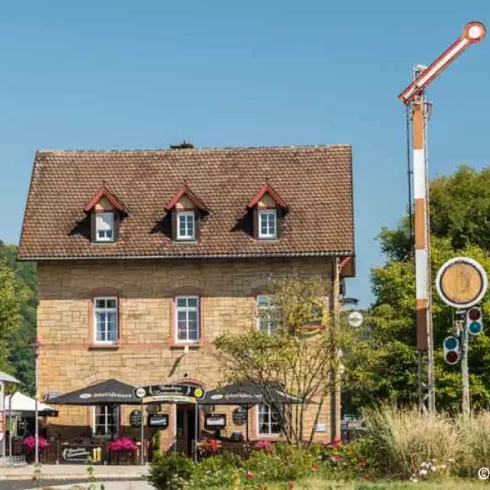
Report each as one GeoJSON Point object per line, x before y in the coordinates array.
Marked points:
{"type": "Point", "coordinates": [474, 32]}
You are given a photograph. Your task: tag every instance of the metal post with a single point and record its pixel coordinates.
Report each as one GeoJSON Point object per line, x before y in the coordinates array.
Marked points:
{"type": "Point", "coordinates": [465, 371]}
{"type": "Point", "coordinates": [36, 409]}
{"type": "Point", "coordinates": [196, 431]}
{"type": "Point", "coordinates": [422, 258]}
{"type": "Point", "coordinates": [142, 436]}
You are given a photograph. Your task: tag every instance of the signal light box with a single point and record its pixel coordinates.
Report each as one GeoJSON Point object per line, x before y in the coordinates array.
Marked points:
{"type": "Point", "coordinates": [474, 321]}
{"type": "Point", "coordinates": [451, 350]}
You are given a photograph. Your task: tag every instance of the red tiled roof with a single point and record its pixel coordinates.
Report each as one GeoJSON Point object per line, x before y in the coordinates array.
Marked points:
{"type": "Point", "coordinates": [184, 190]}
{"type": "Point", "coordinates": [315, 182]}
{"type": "Point", "coordinates": [104, 192]}
{"type": "Point", "coordinates": [267, 189]}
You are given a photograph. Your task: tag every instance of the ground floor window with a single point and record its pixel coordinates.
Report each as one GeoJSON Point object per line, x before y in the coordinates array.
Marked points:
{"type": "Point", "coordinates": [106, 420]}
{"type": "Point", "coordinates": [268, 420]}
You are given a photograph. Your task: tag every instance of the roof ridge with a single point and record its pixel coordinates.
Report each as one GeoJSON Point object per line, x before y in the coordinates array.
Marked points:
{"type": "Point", "coordinates": [194, 150]}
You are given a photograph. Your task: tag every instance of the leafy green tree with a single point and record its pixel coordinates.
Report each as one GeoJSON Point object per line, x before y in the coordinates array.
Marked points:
{"type": "Point", "coordinates": [19, 357]}
{"type": "Point", "coordinates": [382, 362]}
{"type": "Point", "coordinates": [302, 363]}
{"type": "Point", "coordinates": [10, 317]}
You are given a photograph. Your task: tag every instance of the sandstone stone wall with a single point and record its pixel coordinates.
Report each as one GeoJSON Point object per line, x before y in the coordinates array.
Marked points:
{"type": "Point", "coordinates": [146, 352]}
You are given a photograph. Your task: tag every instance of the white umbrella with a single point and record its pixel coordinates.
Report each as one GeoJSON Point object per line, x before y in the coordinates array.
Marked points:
{"type": "Point", "coordinates": [7, 378]}
{"type": "Point", "coordinates": [23, 405]}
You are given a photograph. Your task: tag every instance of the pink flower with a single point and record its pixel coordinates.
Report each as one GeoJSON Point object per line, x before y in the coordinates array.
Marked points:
{"type": "Point", "coordinates": [334, 443]}
{"type": "Point", "coordinates": [123, 444]}
{"type": "Point", "coordinates": [249, 475]}
{"type": "Point", "coordinates": [263, 446]}
{"type": "Point", "coordinates": [336, 457]}
{"type": "Point", "coordinates": [363, 463]}
{"type": "Point", "coordinates": [315, 467]}
{"type": "Point", "coordinates": [30, 443]}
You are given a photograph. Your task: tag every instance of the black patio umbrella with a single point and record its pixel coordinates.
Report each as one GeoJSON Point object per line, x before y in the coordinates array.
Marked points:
{"type": "Point", "coordinates": [246, 394]}
{"type": "Point", "coordinates": [109, 392]}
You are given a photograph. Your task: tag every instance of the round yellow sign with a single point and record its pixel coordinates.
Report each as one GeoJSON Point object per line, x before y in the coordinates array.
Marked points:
{"type": "Point", "coordinates": [198, 393]}
{"type": "Point", "coordinates": [461, 282]}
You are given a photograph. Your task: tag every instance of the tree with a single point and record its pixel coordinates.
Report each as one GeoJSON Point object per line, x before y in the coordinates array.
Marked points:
{"type": "Point", "coordinates": [10, 317]}
{"type": "Point", "coordinates": [20, 357]}
{"type": "Point", "coordinates": [382, 362]}
{"type": "Point", "coordinates": [302, 363]}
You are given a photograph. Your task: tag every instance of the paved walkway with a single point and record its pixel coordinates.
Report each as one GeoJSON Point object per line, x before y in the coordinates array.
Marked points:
{"type": "Point", "coordinates": [74, 472]}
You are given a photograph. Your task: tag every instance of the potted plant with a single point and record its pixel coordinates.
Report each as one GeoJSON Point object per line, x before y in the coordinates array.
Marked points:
{"type": "Point", "coordinates": [30, 446]}
{"type": "Point", "coordinates": [124, 448]}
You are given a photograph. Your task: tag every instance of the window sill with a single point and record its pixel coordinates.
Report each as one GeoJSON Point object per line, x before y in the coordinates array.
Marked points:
{"type": "Point", "coordinates": [103, 346]}
{"type": "Point", "coordinates": [183, 345]}
{"type": "Point", "coordinates": [187, 241]}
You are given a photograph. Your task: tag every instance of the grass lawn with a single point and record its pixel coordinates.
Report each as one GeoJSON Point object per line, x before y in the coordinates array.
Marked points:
{"type": "Point", "coordinates": [313, 484]}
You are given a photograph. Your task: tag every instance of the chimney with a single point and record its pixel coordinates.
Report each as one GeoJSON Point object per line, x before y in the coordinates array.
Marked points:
{"type": "Point", "coordinates": [182, 146]}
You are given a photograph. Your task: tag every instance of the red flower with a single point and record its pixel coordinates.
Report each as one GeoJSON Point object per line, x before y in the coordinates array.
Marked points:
{"type": "Point", "coordinates": [334, 443]}
{"type": "Point", "coordinates": [249, 475]}
{"type": "Point", "coordinates": [363, 462]}
{"type": "Point", "coordinates": [315, 467]}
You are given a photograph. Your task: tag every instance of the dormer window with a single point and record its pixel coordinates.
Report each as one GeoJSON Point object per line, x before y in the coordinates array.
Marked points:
{"type": "Point", "coordinates": [105, 212]}
{"type": "Point", "coordinates": [186, 212]}
{"type": "Point", "coordinates": [104, 224]}
{"type": "Point", "coordinates": [268, 209]}
{"type": "Point", "coordinates": [267, 223]}
{"type": "Point", "coordinates": [186, 229]}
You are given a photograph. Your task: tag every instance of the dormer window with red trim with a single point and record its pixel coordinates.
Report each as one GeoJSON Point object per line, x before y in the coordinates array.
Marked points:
{"type": "Point", "coordinates": [187, 210]}
{"type": "Point", "coordinates": [105, 212]}
{"type": "Point", "coordinates": [268, 209]}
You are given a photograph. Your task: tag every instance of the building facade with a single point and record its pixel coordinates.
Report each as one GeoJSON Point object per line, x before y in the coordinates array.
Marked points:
{"type": "Point", "coordinates": [145, 257]}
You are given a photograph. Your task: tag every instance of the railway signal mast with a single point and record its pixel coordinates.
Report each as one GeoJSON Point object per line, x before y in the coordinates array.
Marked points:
{"type": "Point", "coordinates": [413, 96]}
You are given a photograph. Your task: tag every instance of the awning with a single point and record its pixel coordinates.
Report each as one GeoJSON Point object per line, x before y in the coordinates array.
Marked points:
{"type": "Point", "coordinates": [110, 392]}
{"type": "Point", "coordinates": [247, 394]}
{"type": "Point", "coordinates": [24, 406]}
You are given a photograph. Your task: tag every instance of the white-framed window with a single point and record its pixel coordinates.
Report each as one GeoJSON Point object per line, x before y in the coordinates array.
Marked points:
{"type": "Point", "coordinates": [265, 319]}
{"type": "Point", "coordinates": [187, 318]}
{"type": "Point", "coordinates": [268, 421]}
{"type": "Point", "coordinates": [186, 225]}
{"type": "Point", "coordinates": [104, 227]}
{"type": "Point", "coordinates": [106, 420]}
{"type": "Point", "coordinates": [105, 320]}
{"type": "Point", "coordinates": [267, 223]}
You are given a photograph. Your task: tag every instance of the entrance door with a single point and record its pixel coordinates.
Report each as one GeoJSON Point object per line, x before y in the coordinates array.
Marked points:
{"type": "Point", "coordinates": [186, 428]}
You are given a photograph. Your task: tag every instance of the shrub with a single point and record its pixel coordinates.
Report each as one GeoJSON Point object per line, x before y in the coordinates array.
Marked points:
{"type": "Point", "coordinates": [170, 472]}
{"type": "Point", "coordinates": [401, 440]}
{"type": "Point", "coordinates": [474, 433]}
{"type": "Point", "coordinates": [282, 462]}
{"type": "Point", "coordinates": [123, 444]}
{"type": "Point", "coordinates": [215, 471]}
{"type": "Point", "coordinates": [157, 452]}
{"type": "Point", "coordinates": [209, 447]}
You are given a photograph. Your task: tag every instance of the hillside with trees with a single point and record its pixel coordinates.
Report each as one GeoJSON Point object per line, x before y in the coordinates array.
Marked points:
{"type": "Point", "coordinates": [17, 316]}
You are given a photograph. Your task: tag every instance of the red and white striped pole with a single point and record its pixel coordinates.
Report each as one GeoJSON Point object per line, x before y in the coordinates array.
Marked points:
{"type": "Point", "coordinates": [413, 96]}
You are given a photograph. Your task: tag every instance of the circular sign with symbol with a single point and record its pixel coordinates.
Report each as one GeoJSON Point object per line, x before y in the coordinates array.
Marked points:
{"type": "Point", "coordinates": [140, 392]}
{"type": "Point", "coordinates": [355, 319]}
{"type": "Point", "coordinates": [461, 282]}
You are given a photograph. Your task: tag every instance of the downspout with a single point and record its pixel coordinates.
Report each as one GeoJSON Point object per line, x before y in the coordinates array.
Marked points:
{"type": "Point", "coordinates": [334, 384]}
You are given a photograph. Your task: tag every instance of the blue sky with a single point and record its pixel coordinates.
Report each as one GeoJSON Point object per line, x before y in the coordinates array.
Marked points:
{"type": "Point", "coordinates": [126, 74]}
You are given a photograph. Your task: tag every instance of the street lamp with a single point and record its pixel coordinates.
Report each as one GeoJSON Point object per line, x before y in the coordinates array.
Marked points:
{"type": "Point", "coordinates": [36, 347]}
